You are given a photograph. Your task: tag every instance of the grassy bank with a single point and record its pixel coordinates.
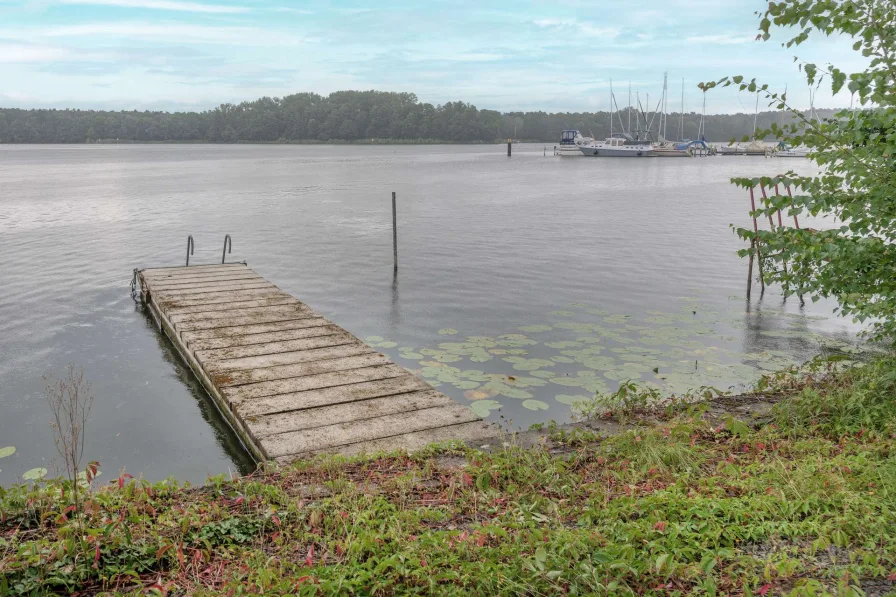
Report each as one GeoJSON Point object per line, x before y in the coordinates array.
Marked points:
{"type": "Point", "coordinates": [803, 503]}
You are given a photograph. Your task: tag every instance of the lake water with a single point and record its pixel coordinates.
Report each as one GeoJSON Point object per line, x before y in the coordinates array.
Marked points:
{"type": "Point", "coordinates": [525, 284]}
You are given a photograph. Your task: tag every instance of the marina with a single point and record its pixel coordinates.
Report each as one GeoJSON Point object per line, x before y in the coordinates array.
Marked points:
{"type": "Point", "coordinates": [290, 382]}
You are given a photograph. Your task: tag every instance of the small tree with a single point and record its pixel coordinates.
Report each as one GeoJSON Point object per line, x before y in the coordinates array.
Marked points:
{"type": "Point", "coordinates": [70, 400]}
{"type": "Point", "coordinates": [856, 262]}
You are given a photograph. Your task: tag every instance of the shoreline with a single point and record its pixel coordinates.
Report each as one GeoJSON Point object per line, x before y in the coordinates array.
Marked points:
{"type": "Point", "coordinates": [740, 494]}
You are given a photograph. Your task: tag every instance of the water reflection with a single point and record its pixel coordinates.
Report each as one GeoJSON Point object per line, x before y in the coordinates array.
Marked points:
{"type": "Point", "coordinates": [224, 435]}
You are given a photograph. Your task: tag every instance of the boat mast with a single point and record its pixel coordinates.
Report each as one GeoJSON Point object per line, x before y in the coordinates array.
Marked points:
{"type": "Point", "coordinates": [701, 132]}
{"type": "Point", "coordinates": [681, 118]}
{"type": "Point", "coordinates": [611, 107]}
{"type": "Point", "coordinates": [629, 107]}
{"type": "Point", "coordinates": [664, 119]}
{"type": "Point", "coordinates": [756, 116]}
{"type": "Point", "coordinates": [638, 115]}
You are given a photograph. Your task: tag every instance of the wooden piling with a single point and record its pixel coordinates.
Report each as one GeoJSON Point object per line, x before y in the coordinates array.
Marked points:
{"type": "Point", "coordinates": [509, 142]}
{"type": "Point", "coordinates": [755, 244]}
{"type": "Point", "coordinates": [750, 269]}
{"type": "Point", "coordinates": [394, 235]}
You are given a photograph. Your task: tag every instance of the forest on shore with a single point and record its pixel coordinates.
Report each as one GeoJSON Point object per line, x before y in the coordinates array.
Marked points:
{"type": "Point", "coordinates": [346, 116]}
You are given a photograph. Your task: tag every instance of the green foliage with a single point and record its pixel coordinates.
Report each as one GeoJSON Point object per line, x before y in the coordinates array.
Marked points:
{"type": "Point", "coordinates": [862, 400]}
{"type": "Point", "coordinates": [853, 263]}
{"type": "Point", "coordinates": [343, 116]}
{"type": "Point", "coordinates": [685, 508]}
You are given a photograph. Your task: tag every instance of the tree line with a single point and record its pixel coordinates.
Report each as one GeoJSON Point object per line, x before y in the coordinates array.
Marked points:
{"type": "Point", "coordinates": [344, 116]}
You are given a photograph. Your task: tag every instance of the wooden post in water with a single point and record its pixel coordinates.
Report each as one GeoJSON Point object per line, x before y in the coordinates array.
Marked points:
{"type": "Point", "coordinates": [509, 141]}
{"type": "Point", "coordinates": [755, 246]}
{"type": "Point", "coordinates": [394, 235]}
{"type": "Point", "coordinates": [750, 269]}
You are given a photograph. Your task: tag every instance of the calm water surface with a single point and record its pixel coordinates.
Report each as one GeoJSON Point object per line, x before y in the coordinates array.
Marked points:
{"type": "Point", "coordinates": [612, 268]}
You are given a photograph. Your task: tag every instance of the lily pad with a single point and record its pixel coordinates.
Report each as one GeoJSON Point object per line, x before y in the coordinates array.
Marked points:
{"type": "Point", "coordinates": [35, 474]}
{"type": "Point", "coordinates": [483, 408]}
{"type": "Point", "coordinates": [506, 390]}
{"type": "Point", "coordinates": [478, 394]}
{"type": "Point", "coordinates": [447, 331]}
{"type": "Point", "coordinates": [571, 399]}
{"type": "Point", "coordinates": [536, 328]}
{"type": "Point", "coordinates": [414, 356]}
{"type": "Point", "coordinates": [522, 364]}
{"type": "Point", "coordinates": [7, 451]}
{"type": "Point", "coordinates": [466, 385]}
{"type": "Point", "coordinates": [535, 405]}
{"type": "Point", "coordinates": [370, 339]}
{"type": "Point", "coordinates": [543, 374]}
{"type": "Point", "coordinates": [563, 344]}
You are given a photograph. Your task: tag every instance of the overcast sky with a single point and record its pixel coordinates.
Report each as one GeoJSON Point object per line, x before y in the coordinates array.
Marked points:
{"type": "Point", "coordinates": [556, 55]}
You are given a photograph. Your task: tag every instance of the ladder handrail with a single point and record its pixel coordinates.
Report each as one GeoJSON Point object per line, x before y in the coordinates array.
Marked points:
{"type": "Point", "coordinates": [228, 247]}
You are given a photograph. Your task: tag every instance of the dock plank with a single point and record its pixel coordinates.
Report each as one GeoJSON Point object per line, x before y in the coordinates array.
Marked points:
{"type": "Point", "coordinates": [238, 312]}
{"type": "Point", "coordinates": [258, 318]}
{"type": "Point", "coordinates": [255, 328]}
{"type": "Point", "coordinates": [239, 304]}
{"type": "Point", "coordinates": [222, 356]}
{"type": "Point", "coordinates": [238, 378]}
{"type": "Point", "coordinates": [323, 329]}
{"type": "Point", "coordinates": [289, 381]}
{"type": "Point", "coordinates": [194, 292]}
{"type": "Point", "coordinates": [312, 382]}
{"type": "Point", "coordinates": [283, 403]}
{"type": "Point", "coordinates": [346, 412]}
{"type": "Point", "coordinates": [349, 348]}
{"type": "Point", "coordinates": [333, 436]}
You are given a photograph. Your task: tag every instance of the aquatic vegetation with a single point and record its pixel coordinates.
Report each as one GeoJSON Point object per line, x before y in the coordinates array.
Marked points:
{"type": "Point", "coordinates": [594, 351]}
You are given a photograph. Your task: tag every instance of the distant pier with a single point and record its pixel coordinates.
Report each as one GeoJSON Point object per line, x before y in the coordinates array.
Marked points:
{"type": "Point", "coordinates": [292, 383]}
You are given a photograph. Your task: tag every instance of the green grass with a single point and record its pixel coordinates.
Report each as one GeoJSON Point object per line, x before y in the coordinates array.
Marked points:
{"type": "Point", "coordinates": [804, 506]}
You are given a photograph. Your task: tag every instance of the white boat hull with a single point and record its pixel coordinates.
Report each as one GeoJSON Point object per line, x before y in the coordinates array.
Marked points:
{"type": "Point", "coordinates": [569, 151]}
{"type": "Point", "coordinates": [634, 151]}
{"type": "Point", "coordinates": [667, 152]}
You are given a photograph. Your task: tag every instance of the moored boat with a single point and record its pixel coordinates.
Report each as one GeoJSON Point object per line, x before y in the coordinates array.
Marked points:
{"type": "Point", "coordinates": [786, 150]}
{"type": "Point", "coordinates": [619, 146]}
{"type": "Point", "coordinates": [570, 142]}
{"type": "Point", "coordinates": [754, 148]}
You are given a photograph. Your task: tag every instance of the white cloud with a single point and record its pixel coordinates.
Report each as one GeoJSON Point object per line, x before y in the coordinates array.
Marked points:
{"type": "Point", "coordinates": [171, 5]}
{"type": "Point", "coordinates": [161, 31]}
{"type": "Point", "coordinates": [295, 11]}
{"type": "Point", "coordinates": [583, 27]}
{"type": "Point", "coordinates": [729, 39]}
{"type": "Point", "coordinates": [11, 53]}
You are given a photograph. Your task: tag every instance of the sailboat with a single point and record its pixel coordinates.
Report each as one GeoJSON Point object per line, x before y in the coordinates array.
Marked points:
{"type": "Point", "coordinates": [786, 150]}
{"type": "Point", "coordinates": [665, 148]}
{"type": "Point", "coordinates": [754, 147]}
{"type": "Point", "coordinates": [620, 145]}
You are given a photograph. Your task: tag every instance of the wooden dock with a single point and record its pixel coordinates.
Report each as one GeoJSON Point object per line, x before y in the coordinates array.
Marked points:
{"type": "Point", "coordinates": [290, 382]}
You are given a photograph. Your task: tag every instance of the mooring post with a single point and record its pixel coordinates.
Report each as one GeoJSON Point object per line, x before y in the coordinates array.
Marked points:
{"type": "Point", "coordinates": [765, 198]}
{"type": "Point", "coordinates": [394, 235]}
{"type": "Point", "coordinates": [795, 221]}
{"type": "Point", "coordinates": [189, 248]}
{"type": "Point", "coordinates": [750, 269]}
{"type": "Point", "coordinates": [756, 241]}
{"type": "Point", "coordinates": [509, 141]}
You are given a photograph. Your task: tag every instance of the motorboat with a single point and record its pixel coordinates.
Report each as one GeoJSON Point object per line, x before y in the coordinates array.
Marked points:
{"type": "Point", "coordinates": [619, 146]}
{"type": "Point", "coordinates": [570, 142]}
